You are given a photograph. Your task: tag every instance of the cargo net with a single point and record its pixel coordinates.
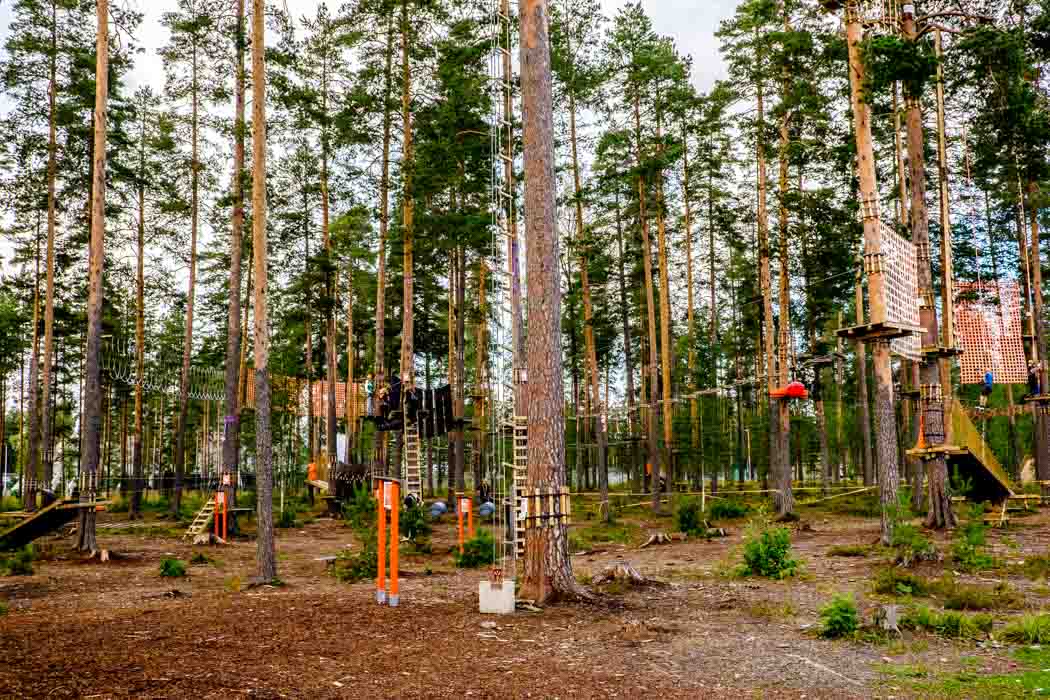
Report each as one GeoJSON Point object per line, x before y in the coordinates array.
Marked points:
{"type": "Point", "coordinates": [901, 285]}
{"type": "Point", "coordinates": [878, 16]}
{"type": "Point", "coordinates": [988, 316]}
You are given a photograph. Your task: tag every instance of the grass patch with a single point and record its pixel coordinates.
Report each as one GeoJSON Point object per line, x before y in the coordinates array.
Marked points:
{"type": "Point", "coordinates": [728, 510]}
{"type": "Point", "coordinates": [849, 550]}
{"type": "Point", "coordinates": [585, 538]}
{"type": "Point", "coordinates": [951, 624]}
{"type": "Point", "coordinates": [18, 564]}
{"type": "Point", "coordinates": [839, 618]}
{"type": "Point", "coordinates": [3, 608]}
{"type": "Point", "coordinates": [287, 519]}
{"type": "Point", "coordinates": [172, 568]}
{"type": "Point", "coordinates": [911, 545]}
{"type": "Point", "coordinates": [1031, 679]}
{"type": "Point", "coordinates": [772, 610]}
{"type": "Point", "coordinates": [1036, 567]}
{"type": "Point", "coordinates": [201, 559]}
{"type": "Point", "coordinates": [1028, 629]}
{"type": "Point", "coordinates": [968, 548]}
{"type": "Point", "coordinates": [894, 581]}
{"type": "Point", "coordinates": [958, 596]}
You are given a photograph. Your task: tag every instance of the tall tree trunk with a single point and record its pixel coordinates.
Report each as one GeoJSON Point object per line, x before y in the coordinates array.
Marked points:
{"type": "Point", "coordinates": [628, 360]}
{"type": "Point", "coordinates": [32, 465]}
{"type": "Point", "coordinates": [1042, 423]}
{"type": "Point", "coordinates": [694, 413]}
{"type": "Point", "coordinates": [384, 212]}
{"type": "Point", "coordinates": [408, 209]}
{"type": "Point", "coordinates": [135, 503]}
{"type": "Point", "coordinates": [330, 284]}
{"type": "Point", "coordinates": [191, 290]}
{"type": "Point", "coordinates": [778, 453]}
{"type": "Point", "coordinates": [232, 422]}
{"type": "Point", "coordinates": [652, 443]}
{"type": "Point", "coordinates": [49, 300]}
{"type": "Point", "coordinates": [460, 384]}
{"type": "Point", "coordinates": [350, 391]}
{"type": "Point", "coordinates": [785, 498]}
{"type": "Point", "coordinates": [548, 566]}
{"type": "Point", "coordinates": [513, 247]}
{"type": "Point", "coordinates": [588, 321]}
{"type": "Point", "coordinates": [667, 409]}
{"type": "Point", "coordinates": [266, 561]}
{"type": "Point", "coordinates": [886, 442]}
{"type": "Point", "coordinates": [939, 514]}
{"type": "Point", "coordinates": [89, 455]}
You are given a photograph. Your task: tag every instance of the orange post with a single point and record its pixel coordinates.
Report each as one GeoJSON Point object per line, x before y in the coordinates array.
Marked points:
{"type": "Point", "coordinates": [459, 523]}
{"type": "Point", "coordinates": [225, 512]}
{"type": "Point", "coordinates": [394, 537]}
{"type": "Point", "coordinates": [470, 517]}
{"type": "Point", "coordinates": [381, 572]}
{"type": "Point", "coordinates": [216, 514]}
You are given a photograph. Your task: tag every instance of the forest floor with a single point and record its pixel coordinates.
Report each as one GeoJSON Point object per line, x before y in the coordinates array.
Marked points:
{"type": "Point", "coordinates": [83, 628]}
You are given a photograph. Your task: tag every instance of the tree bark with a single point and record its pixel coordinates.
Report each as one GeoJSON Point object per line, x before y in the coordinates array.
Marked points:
{"type": "Point", "coordinates": [89, 455]}
{"type": "Point", "coordinates": [667, 409]}
{"type": "Point", "coordinates": [330, 373]}
{"type": "Point", "coordinates": [232, 421]}
{"type": "Point", "coordinates": [408, 210]}
{"type": "Point", "coordinates": [694, 413]}
{"type": "Point", "coordinates": [625, 320]}
{"type": "Point", "coordinates": [548, 566]}
{"type": "Point", "coordinates": [384, 214]}
{"type": "Point", "coordinates": [785, 498]}
{"type": "Point", "coordinates": [49, 300]}
{"type": "Point", "coordinates": [266, 557]}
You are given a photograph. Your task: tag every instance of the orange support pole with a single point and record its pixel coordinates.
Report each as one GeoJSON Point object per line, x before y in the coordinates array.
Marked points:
{"type": "Point", "coordinates": [216, 528]}
{"type": "Point", "coordinates": [459, 523]}
{"type": "Point", "coordinates": [381, 569]}
{"type": "Point", "coordinates": [470, 518]}
{"type": "Point", "coordinates": [394, 537]}
{"type": "Point", "coordinates": [225, 513]}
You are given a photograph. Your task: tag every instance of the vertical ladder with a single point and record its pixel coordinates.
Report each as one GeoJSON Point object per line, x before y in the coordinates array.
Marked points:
{"type": "Point", "coordinates": [521, 462]}
{"type": "Point", "coordinates": [413, 471]}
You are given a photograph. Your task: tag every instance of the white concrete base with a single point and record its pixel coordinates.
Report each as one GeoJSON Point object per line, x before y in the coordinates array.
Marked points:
{"type": "Point", "coordinates": [496, 599]}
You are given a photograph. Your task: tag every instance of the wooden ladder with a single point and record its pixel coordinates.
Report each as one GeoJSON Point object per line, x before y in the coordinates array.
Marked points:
{"type": "Point", "coordinates": [413, 471]}
{"type": "Point", "coordinates": [521, 462]}
{"type": "Point", "coordinates": [202, 520]}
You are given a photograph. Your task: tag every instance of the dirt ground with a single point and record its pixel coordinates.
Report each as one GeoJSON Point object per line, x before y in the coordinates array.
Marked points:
{"type": "Point", "coordinates": [88, 629]}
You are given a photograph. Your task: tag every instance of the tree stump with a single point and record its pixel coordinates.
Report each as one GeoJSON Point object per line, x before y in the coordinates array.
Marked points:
{"type": "Point", "coordinates": [656, 538]}
{"type": "Point", "coordinates": [621, 571]}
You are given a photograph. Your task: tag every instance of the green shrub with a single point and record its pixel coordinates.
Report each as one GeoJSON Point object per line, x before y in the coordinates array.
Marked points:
{"type": "Point", "coordinates": [849, 550]}
{"type": "Point", "coordinates": [728, 510]}
{"type": "Point", "coordinates": [911, 545]}
{"type": "Point", "coordinates": [200, 558]}
{"type": "Point", "coordinates": [767, 552]}
{"type": "Point", "coordinates": [839, 617]}
{"type": "Point", "coordinates": [414, 524]}
{"type": "Point", "coordinates": [1028, 629]}
{"type": "Point", "coordinates": [351, 567]}
{"type": "Point", "coordinates": [360, 511]}
{"type": "Point", "coordinates": [968, 547]}
{"type": "Point", "coordinates": [689, 518]}
{"type": "Point", "coordinates": [3, 608]}
{"type": "Point", "coordinates": [1036, 566]}
{"type": "Point", "coordinates": [286, 519]}
{"type": "Point", "coordinates": [893, 581]}
{"type": "Point", "coordinates": [19, 563]}
{"type": "Point", "coordinates": [172, 568]}
{"type": "Point", "coordinates": [478, 551]}
{"type": "Point", "coordinates": [948, 624]}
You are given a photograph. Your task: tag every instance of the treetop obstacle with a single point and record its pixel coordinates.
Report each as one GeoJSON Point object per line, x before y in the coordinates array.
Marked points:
{"type": "Point", "coordinates": [989, 321]}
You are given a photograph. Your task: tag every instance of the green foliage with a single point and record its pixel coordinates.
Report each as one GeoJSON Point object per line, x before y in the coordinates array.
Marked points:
{"type": "Point", "coordinates": [849, 550]}
{"type": "Point", "coordinates": [118, 505]}
{"type": "Point", "coordinates": [839, 618]}
{"type": "Point", "coordinates": [584, 538]}
{"type": "Point", "coordinates": [18, 564]}
{"type": "Point", "coordinates": [479, 551]}
{"type": "Point", "coordinates": [911, 545]}
{"type": "Point", "coordinates": [689, 518]}
{"type": "Point", "coordinates": [959, 596]}
{"type": "Point", "coordinates": [414, 524]}
{"type": "Point", "coordinates": [200, 559]}
{"type": "Point", "coordinates": [894, 581]}
{"type": "Point", "coordinates": [1036, 566]}
{"type": "Point", "coordinates": [351, 567]}
{"type": "Point", "coordinates": [889, 58]}
{"type": "Point", "coordinates": [1028, 629]}
{"type": "Point", "coordinates": [968, 547]}
{"type": "Point", "coordinates": [286, 519]}
{"type": "Point", "coordinates": [728, 510]}
{"type": "Point", "coordinates": [172, 568]}
{"type": "Point", "coordinates": [360, 511]}
{"type": "Point", "coordinates": [767, 552]}
{"type": "Point", "coordinates": [948, 624]}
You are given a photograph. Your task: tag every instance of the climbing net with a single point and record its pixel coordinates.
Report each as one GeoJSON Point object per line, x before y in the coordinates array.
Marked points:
{"type": "Point", "coordinates": [988, 315]}
{"type": "Point", "coordinates": [161, 373]}
{"type": "Point", "coordinates": [901, 286]}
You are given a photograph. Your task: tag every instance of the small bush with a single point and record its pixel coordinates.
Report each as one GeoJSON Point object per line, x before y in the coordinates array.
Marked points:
{"type": "Point", "coordinates": [1028, 629]}
{"type": "Point", "coordinates": [948, 624]}
{"type": "Point", "coordinates": [689, 518]}
{"type": "Point", "coordinates": [728, 510]}
{"type": "Point", "coordinates": [20, 563]}
{"type": "Point", "coordinates": [849, 550]}
{"type": "Point", "coordinates": [1036, 566]}
{"type": "Point", "coordinates": [479, 551]}
{"type": "Point", "coordinates": [200, 558]}
{"type": "Point", "coordinates": [839, 617]}
{"type": "Point", "coordinates": [3, 608]}
{"type": "Point", "coordinates": [968, 547]}
{"type": "Point", "coordinates": [360, 511]}
{"type": "Point", "coordinates": [893, 581]}
{"type": "Point", "coordinates": [413, 523]}
{"type": "Point", "coordinates": [911, 545]}
{"type": "Point", "coordinates": [172, 568]}
{"type": "Point", "coordinates": [351, 567]}
{"type": "Point", "coordinates": [286, 519]}
{"type": "Point", "coordinates": [767, 552]}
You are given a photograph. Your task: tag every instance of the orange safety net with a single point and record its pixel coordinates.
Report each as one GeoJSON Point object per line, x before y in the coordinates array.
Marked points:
{"type": "Point", "coordinates": [988, 321]}
{"type": "Point", "coordinates": [292, 393]}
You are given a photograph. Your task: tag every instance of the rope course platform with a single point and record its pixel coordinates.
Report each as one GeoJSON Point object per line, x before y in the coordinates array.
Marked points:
{"type": "Point", "coordinates": [45, 521]}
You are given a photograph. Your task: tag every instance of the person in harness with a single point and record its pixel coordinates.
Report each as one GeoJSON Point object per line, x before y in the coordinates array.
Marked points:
{"type": "Point", "coordinates": [986, 388]}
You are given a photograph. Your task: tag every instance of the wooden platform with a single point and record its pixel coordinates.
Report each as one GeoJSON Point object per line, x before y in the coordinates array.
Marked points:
{"type": "Point", "coordinates": [43, 522]}
{"type": "Point", "coordinates": [887, 330]}
{"type": "Point", "coordinates": [1037, 398]}
{"type": "Point", "coordinates": [934, 351]}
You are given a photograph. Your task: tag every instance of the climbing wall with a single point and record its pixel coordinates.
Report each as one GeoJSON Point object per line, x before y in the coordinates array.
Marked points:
{"type": "Point", "coordinates": [988, 320]}
{"type": "Point", "coordinates": [902, 289]}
